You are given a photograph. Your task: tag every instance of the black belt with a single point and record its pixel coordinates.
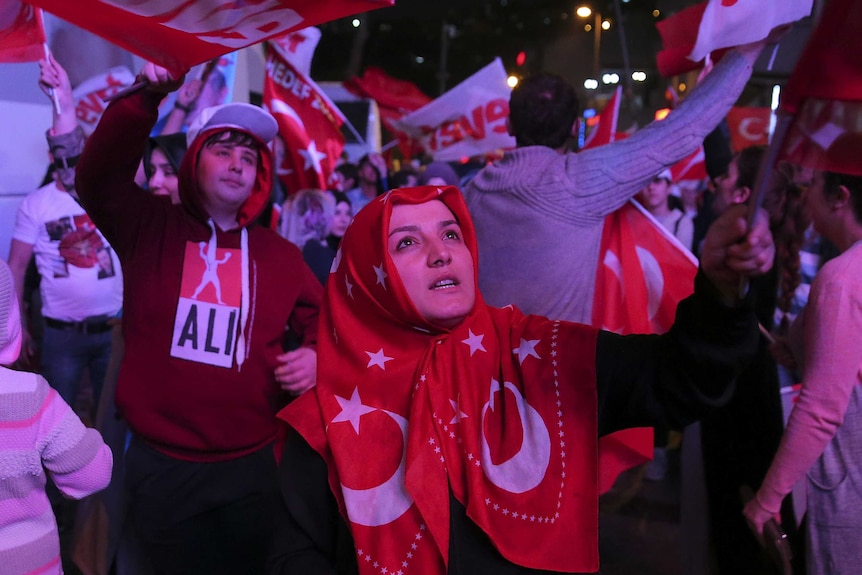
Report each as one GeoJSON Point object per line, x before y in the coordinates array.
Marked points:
{"type": "Point", "coordinates": [79, 326]}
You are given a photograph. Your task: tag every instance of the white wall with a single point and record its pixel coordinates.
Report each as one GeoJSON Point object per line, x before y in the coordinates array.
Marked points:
{"type": "Point", "coordinates": [23, 149]}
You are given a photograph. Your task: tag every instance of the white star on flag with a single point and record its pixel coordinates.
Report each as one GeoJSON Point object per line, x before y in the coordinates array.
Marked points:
{"type": "Point", "coordinates": [475, 342]}
{"type": "Point", "coordinates": [378, 358]}
{"type": "Point", "coordinates": [351, 410]}
{"type": "Point", "coordinates": [527, 347]}
{"type": "Point", "coordinates": [312, 157]}
{"type": "Point", "coordinates": [381, 275]}
{"type": "Point", "coordinates": [349, 286]}
{"type": "Point", "coordinates": [459, 415]}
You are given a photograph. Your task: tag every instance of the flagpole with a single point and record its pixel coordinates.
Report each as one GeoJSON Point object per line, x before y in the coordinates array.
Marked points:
{"type": "Point", "coordinates": [54, 95]}
{"type": "Point", "coordinates": [354, 131]}
{"type": "Point", "coordinates": [764, 178]}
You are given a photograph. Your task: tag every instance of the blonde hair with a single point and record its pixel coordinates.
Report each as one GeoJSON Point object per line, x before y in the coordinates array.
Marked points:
{"type": "Point", "coordinates": [307, 215]}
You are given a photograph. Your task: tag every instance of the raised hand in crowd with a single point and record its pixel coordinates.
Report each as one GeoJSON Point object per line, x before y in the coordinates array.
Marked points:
{"type": "Point", "coordinates": [379, 162]}
{"type": "Point", "coordinates": [54, 81]}
{"type": "Point", "coordinates": [187, 96]}
{"type": "Point", "coordinates": [731, 251]}
{"type": "Point", "coordinates": [160, 79]}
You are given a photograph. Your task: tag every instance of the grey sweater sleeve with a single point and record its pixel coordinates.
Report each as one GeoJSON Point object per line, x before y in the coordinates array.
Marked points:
{"type": "Point", "coordinates": [605, 178]}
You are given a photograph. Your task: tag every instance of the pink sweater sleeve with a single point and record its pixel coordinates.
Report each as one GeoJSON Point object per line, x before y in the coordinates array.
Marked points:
{"type": "Point", "coordinates": [833, 358]}
{"type": "Point", "coordinates": [75, 456]}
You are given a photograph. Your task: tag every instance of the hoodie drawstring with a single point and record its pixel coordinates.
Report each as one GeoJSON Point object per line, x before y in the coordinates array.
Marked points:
{"type": "Point", "coordinates": [241, 341]}
{"type": "Point", "coordinates": [243, 306]}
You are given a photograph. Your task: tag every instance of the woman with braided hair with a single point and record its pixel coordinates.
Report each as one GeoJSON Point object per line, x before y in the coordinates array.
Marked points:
{"type": "Point", "coordinates": [823, 439]}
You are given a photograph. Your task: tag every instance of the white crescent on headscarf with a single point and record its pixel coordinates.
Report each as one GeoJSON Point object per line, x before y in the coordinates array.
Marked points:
{"type": "Point", "coordinates": [526, 469]}
{"type": "Point", "coordinates": [386, 502]}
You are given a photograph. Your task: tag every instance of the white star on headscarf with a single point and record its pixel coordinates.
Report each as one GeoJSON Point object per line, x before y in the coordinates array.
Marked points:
{"type": "Point", "coordinates": [527, 347]}
{"type": "Point", "coordinates": [351, 410]}
{"type": "Point", "coordinates": [475, 342]}
{"type": "Point", "coordinates": [378, 358]}
{"type": "Point", "coordinates": [349, 286]}
{"type": "Point", "coordinates": [459, 415]}
{"type": "Point", "coordinates": [381, 275]}
{"type": "Point", "coordinates": [312, 157]}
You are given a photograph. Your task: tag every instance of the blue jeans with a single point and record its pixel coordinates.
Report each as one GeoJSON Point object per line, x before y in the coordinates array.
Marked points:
{"type": "Point", "coordinates": [65, 354]}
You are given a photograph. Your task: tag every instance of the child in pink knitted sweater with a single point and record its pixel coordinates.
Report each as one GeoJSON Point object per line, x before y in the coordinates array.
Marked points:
{"type": "Point", "coordinates": [39, 432]}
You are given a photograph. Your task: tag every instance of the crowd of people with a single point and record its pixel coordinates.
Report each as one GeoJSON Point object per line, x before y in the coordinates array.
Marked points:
{"type": "Point", "coordinates": [397, 376]}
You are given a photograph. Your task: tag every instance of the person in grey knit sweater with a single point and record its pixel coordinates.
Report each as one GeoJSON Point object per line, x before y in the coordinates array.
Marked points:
{"type": "Point", "coordinates": [539, 211]}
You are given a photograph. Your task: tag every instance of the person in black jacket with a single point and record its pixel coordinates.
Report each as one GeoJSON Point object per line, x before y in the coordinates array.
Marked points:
{"type": "Point", "coordinates": [447, 436]}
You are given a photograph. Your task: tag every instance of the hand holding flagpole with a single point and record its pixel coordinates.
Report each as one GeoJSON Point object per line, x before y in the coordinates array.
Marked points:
{"type": "Point", "coordinates": [52, 91]}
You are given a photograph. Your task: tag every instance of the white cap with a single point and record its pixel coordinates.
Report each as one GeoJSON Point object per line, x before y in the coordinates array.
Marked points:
{"type": "Point", "coordinates": [665, 175]}
{"type": "Point", "coordinates": [237, 116]}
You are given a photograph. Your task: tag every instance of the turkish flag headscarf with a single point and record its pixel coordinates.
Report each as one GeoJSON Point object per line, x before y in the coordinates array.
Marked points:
{"type": "Point", "coordinates": [825, 94]}
{"type": "Point", "coordinates": [502, 408]}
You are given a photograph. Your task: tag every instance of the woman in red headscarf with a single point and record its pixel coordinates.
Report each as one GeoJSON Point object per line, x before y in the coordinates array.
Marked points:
{"type": "Point", "coordinates": [459, 438]}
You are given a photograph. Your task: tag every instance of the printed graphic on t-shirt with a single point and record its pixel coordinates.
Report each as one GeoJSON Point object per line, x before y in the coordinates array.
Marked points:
{"type": "Point", "coordinates": [79, 245]}
{"type": "Point", "coordinates": [207, 320]}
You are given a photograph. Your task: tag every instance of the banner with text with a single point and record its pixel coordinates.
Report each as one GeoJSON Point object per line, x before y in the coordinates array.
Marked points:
{"type": "Point", "coordinates": [90, 95]}
{"type": "Point", "coordinates": [179, 34]}
{"type": "Point", "coordinates": [468, 120]}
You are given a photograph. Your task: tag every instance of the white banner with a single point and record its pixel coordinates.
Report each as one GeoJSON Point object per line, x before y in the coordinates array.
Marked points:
{"type": "Point", "coordinates": [298, 48]}
{"type": "Point", "coordinates": [468, 120]}
{"type": "Point", "coordinates": [726, 24]}
{"type": "Point", "coordinates": [90, 95]}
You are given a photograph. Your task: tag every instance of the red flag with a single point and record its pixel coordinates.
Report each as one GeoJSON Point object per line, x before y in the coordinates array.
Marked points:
{"type": "Point", "coordinates": [712, 27]}
{"type": "Point", "coordinates": [825, 93]}
{"type": "Point", "coordinates": [395, 98]}
{"type": "Point", "coordinates": [22, 33]}
{"type": "Point", "coordinates": [308, 122]}
{"type": "Point", "coordinates": [748, 127]}
{"type": "Point", "coordinates": [605, 130]}
{"type": "Point", "coordinates": [179, 34]}
{"type": "Point", "coordinates": [643, 274]}
{"type": "Point", "coordinates": [678, 36]}
{"type": "Point", "coordinates": [691, 167]}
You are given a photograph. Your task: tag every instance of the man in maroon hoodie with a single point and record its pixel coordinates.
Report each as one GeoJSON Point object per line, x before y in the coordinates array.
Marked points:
{"type": "Point", "coordinates": [211, 298]}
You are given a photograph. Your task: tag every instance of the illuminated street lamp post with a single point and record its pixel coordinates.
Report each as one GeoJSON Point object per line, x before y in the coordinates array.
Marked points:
{"type": "Point", "coordinates": [597, 26]}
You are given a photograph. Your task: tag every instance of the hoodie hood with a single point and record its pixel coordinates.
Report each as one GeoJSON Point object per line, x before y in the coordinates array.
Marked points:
{"type": "Point", "coordinates": [10, 318]}
{"type": "Point", "coordinates": [191, 194]}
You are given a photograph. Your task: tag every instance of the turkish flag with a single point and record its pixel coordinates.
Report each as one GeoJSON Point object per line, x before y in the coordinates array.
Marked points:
{"type": "Point", "coordinates": [748, 127]}
{"type": "Point", "coordinates": [308, 122]}
{"type": "Point", "coordinates": [22, 33]}
{"type": "Point", "coordinates": [691, 167]}
{"type": "Point", "coordinates": [643, 274]}
{"type": "Point", "coordinates": [395, 98]}
{"type": "Point", "coordinates": [179, 34]}
{"type": "Point", "coordinates": [605, 130]}
{"type": "Point", "coordinates": [712, 27]}
{"type": "Point", "coordinates": [825, 93]}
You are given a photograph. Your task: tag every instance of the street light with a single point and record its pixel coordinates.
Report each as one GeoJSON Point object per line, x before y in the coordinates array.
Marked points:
{"type": "Point", "coordinates": [597, 27]}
